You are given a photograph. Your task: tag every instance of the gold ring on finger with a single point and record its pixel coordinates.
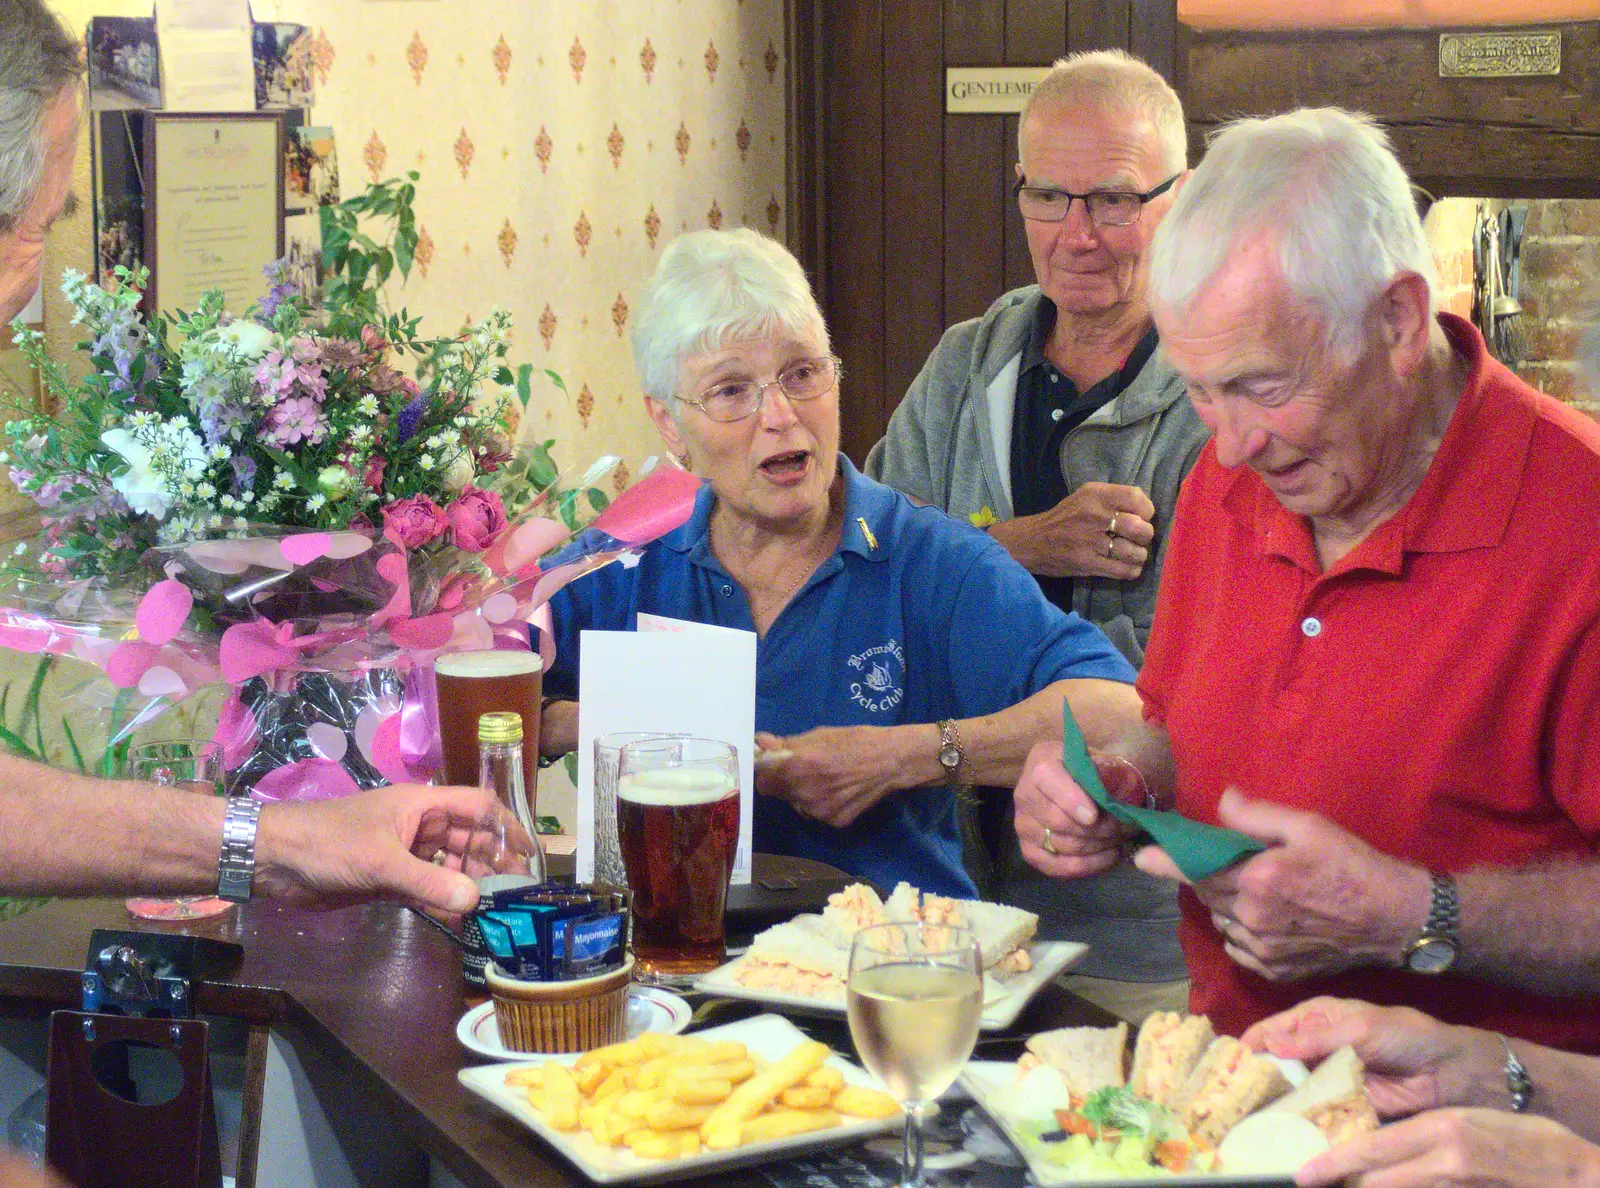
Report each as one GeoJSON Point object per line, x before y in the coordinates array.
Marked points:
{"type": "Point", "coordinates": [1111, 528]}
{"type": "Point", "coordinates": [1049, 845]}
{"type": "Point", "coordinates": [1111, 546]}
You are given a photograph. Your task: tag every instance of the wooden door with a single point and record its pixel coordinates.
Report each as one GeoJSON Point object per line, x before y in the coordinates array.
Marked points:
{"type": "Point", "coordinates": [903, 213]}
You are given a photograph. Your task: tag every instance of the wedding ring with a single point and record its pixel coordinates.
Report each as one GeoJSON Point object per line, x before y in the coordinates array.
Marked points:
{"type": "Point", "coordinates": [1111, 528]}
{"type": "Point", "coordinates": [1049, 846]}
{"type": "Point", "coordinates": [1111, 546]}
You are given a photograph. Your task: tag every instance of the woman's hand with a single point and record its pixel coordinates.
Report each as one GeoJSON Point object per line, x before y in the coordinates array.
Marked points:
{"type": "Point", "coordinates": [1460, 1149]}
{"type": "Point", "coordinates": [1413, 1062]}
{"type": "Point", "coordinates": [836, 773]}
{"type": "Point", "coordinates": [1061, 831]}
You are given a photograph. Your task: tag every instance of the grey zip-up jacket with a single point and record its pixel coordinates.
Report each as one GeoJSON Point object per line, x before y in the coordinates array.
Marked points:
{"type": "Point", "coordinates": [949, 444]}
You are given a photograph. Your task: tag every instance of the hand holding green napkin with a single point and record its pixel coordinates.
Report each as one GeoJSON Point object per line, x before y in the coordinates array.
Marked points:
{"type": "Point", "coordinates": [1200, 851]}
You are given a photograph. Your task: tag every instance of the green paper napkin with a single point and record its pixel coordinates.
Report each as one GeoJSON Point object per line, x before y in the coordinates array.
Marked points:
{"type": "Point", "coordinates": [1199, 850]}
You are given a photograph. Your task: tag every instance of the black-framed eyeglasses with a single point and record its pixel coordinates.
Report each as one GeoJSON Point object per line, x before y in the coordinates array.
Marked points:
{"type": "Point", "coordinates": [736, 399]}
{"type": "Point", "coordinates": [1107, 208]}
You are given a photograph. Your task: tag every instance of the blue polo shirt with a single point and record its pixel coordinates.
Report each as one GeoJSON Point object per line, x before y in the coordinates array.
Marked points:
{"type": "Point", "coordinates": [916, 617]}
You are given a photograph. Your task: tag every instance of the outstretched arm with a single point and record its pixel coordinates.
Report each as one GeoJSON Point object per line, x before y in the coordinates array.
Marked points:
{"type": "Point", "coordinates": [70, 835]}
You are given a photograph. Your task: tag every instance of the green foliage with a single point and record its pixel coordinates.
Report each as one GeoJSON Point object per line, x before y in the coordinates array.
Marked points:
{"type": "Point", "coordinates": [358, 265]}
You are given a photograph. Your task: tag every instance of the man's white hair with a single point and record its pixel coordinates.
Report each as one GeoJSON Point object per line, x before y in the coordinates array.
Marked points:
{"type": "Point", "coordinates": [1113, 81]}
{"type": "Point", "coordinates": [711, 288]}
{"type": "Point", "coordinates": [38, 61]}
{"type": "Point", "coordinates": [1326, 185]}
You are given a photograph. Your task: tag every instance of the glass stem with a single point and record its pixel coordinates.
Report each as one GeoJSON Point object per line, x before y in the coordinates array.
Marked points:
{"type": "Point", "coordinates": [913, 1148]}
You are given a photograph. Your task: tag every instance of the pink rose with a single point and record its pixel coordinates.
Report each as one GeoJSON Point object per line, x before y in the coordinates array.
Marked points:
{"type": "Point", "coordinates": [476, 518]}
{"type": "Point", "coordinates": [412, 523]}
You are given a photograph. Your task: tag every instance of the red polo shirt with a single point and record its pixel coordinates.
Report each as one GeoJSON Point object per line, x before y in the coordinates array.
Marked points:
{"type": "Point", "coordinates": [1436, 692]}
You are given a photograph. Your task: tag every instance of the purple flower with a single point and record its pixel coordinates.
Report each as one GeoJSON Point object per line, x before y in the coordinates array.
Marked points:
{"type": "Point", "coordinates": [296, 419]}
{"type": "Point", "coordinates": [275, 375]}
{"type": "Point", "coordinates": [410, 415]}
{"type": "Point", "coordinates": [244, 473]}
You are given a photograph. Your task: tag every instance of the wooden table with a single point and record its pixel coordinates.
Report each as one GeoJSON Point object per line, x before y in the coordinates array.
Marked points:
{"type": "Point", "coordinates": [375, 992]}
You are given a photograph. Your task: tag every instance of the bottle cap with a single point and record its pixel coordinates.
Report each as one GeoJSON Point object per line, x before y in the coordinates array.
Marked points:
{"type": "Point", "coordinates": [502, 727]}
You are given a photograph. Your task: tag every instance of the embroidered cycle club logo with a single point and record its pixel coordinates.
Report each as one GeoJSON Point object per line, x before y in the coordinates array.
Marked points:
{"type": "Point", "coordinates": [878, 677]}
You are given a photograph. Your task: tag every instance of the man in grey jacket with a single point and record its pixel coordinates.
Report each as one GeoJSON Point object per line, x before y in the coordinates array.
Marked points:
{"type": "Point", "coordinates": [1055, 422]}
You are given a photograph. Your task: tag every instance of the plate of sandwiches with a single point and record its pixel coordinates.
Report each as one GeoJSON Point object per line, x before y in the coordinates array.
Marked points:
{"type": "Point", "coordinates": [802, 964]}
{"type": "Point", "coordinates": [1191, 1107]}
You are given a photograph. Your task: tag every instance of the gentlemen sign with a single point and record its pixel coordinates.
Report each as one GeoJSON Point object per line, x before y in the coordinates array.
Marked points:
{"type": "Point", "coordinates": [991, 90]}
{"type": "Point", "coordinates": [1499, 55]}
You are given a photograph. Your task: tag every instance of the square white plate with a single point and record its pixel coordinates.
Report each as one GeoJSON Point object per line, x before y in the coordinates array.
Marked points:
{"type": "Point", "coordinates": [982, 1078]}
{"type": "Point", "coordinates": [1049, 959]}
{"type": "Point", "coordinates": [768, 1036]}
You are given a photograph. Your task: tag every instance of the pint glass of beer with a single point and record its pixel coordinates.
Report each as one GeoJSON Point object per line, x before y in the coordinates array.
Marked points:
{"type": "Point", "coordinates": [678, 825]}
{"type": "Point", "coordinates": [471, 684]}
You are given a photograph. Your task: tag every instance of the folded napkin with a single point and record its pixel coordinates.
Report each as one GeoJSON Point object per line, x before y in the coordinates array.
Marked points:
{"type": "Point", "coordinates": [1199, 850]}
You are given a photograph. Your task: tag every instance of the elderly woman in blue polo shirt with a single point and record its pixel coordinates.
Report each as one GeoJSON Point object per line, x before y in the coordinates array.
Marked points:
{"type": "Point", "coordinates": [902, 653]}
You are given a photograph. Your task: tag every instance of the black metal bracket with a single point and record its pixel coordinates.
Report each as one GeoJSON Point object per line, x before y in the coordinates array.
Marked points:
{"type": "Point", "coordinates": [150, 974]}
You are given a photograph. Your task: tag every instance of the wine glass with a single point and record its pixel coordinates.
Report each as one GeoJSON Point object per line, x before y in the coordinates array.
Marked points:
{"type": "Point", "coordinates": [915, 994]}
{"type": "Point", "coordinates": [678, 829]}
{"type": "Point", "coordinates": [192, 765]}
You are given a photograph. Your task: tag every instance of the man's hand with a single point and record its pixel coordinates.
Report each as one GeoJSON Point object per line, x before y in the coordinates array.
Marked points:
{"type": "Point", "coordinates": [1460, 1149]}
{"type": "Point", "coordinates": [1413, 1062]}
{"type": "Point", "coordinates": [422, 845]}
{"type": "Point", "coordinates": [1100, 530]}
{"type": "Point", "coordinates": [1061, 831]}
{"type": "Point", "coordinates": [836, 773]}
{"type": "Point", "coordinates": [1319, 901]}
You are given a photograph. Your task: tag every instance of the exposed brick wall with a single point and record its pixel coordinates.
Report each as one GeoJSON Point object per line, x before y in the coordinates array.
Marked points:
{"type": "Point", "coordinates": [1560, 289]}
{"type": "Point", "coordinates": [1560, 272]}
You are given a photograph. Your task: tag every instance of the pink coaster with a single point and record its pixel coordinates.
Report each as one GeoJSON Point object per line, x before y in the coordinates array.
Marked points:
{"type": "Point", "coordinates": [186, 908]}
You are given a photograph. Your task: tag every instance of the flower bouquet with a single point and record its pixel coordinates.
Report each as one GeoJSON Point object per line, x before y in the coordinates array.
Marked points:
{"type": "Point", "coordinates": [308, 503]}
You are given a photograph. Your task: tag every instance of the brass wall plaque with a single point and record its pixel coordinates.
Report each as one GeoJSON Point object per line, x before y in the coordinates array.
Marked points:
{"type": "Point", "coordinates": [995, 90]}
{"type": "Point", "coordinates": [1499, 55]}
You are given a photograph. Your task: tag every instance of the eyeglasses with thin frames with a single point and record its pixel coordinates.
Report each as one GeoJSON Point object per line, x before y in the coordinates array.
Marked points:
{"type": "Point", "coordinates": [1107, 208]}
{"type": "Point", "coordinates": [734, 400]}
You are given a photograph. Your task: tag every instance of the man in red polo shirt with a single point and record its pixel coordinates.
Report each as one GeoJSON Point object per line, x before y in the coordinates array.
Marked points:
{"type": "Point", "coordinates": [1377, 644]}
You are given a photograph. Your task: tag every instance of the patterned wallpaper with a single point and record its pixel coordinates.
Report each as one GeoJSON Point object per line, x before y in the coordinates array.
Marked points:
{"type": "Point", "coordinates": [561, 145]}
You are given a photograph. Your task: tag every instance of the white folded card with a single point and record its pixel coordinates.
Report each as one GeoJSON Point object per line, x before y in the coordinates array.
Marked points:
{"type": "Point", "coordinates": [675, 677]}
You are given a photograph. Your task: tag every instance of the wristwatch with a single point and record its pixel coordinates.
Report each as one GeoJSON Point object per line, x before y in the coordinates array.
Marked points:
{"type": "Point", "coordinates": [952, 755]}
{"type": "Point", "coordinates": [1439, 945]}
{"type": "Point", "coordinates": [237, 865]}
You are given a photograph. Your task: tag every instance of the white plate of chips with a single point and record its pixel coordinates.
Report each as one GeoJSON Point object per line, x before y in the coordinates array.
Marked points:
{"type": "Point", "coordinates": [771, 1042]}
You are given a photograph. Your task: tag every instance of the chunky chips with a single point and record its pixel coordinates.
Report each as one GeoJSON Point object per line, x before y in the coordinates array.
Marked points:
{"type": "Point", "coordinates": [671, 1096]}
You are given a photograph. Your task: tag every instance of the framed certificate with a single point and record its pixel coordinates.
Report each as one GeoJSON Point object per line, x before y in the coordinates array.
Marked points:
{"type": "Point", "coordinates": [213, 209]}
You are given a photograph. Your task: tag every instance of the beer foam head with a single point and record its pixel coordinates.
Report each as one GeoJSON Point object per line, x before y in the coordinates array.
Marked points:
{"type": "Point", "coordinates": [496, 663]}
{"type": "Point", "coordinates": [675, 787]}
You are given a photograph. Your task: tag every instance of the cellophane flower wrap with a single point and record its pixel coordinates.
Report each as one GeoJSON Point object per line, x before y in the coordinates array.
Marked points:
{"type": "Point", "coordinates": [308, 504]}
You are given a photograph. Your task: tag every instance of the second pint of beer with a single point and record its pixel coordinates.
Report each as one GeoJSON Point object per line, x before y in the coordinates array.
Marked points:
{"type": "Point", "coordinates": [679, 828]}
{"type": "Point", "coordinates": [471, 684]}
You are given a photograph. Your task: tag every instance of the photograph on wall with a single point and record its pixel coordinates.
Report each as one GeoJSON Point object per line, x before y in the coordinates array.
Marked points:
{"type": "Point", "coordinates": [318, 156]}
{"type": "Point", "coordinates": [124, 63]}
{"type": "Point", "coordinates": [282, 55]}
{"type": "Point", "coordinates": [118, 191]}
{"type": "Point", "coordinates": [302, 253]}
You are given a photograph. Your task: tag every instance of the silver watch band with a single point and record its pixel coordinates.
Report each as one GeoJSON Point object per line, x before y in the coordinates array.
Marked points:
{"type": "Point", "coordinates": [237, 865]}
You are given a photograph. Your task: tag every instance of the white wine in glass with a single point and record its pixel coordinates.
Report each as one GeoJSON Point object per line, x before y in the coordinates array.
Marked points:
{"type": "Point", "coordinates": [915, 994]}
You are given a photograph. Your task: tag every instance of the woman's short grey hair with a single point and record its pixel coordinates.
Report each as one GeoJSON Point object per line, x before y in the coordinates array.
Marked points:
{"type": "Point", "coordinates": [38, 60]}
{"type": "Point", "coordinates": [1327, 185]}
{"type": "Point", "coordinates": [1114, 81]}
{"type": "Point", "coordinates": [711, 288]}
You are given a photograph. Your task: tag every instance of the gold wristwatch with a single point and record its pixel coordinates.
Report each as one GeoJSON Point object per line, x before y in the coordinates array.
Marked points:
{"type": "Point", "coordinates": [1437, 948]}
{"type": "Point", "coordinates": [952, 755]}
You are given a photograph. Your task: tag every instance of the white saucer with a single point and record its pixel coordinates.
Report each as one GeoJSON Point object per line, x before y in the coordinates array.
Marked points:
{"type": "Point", "coordinates": [649, 1009]}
